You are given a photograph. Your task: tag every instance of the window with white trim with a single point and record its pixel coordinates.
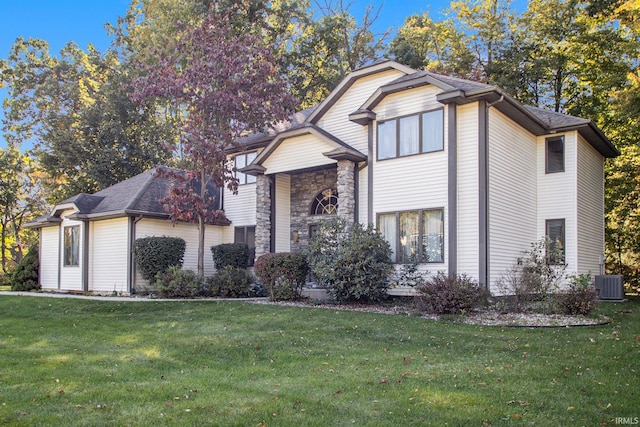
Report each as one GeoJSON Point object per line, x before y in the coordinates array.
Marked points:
{"type": "Point", "coordinates": [415, 134]}
{"type": "Point", "coordinates": [325, 203]}
{"type": "Point", "coordinates": [414, 236]}
{"type": "Point", "coordinates": [240, 161]}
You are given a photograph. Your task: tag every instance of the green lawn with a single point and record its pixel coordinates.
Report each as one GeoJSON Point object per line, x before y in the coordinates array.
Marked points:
{"type": "Point", "coordinates": [81, 362]}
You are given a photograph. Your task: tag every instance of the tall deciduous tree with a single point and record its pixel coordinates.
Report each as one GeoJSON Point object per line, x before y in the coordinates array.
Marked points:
{"type": "Point", "coordinates": [228, 83]}
{"type": "Point", "coordinates": [20, 199]}
{"type": "Point", "coordinates": [423, 43]}
{"type": "Point", "coordinates": [87, 133]}
{"type": "Point", "coordinates": [331, 47]}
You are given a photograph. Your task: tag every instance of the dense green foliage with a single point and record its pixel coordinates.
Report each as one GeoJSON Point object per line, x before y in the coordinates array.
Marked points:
{"type": "Point", "coordinates": [174, 282]}
{"type": "Point", "coordinates": [237, 364]}
{"type": "Point", "coordinates": [352, 262]}
{"type": "Point", "coordinates": [231, 282]}
{"type": "Point", "coordinates": [156, 254]}
{"type": "Point", "coordinates": [25, 276]}
{"type": "Point", "coordinates": [230, 254]}
{"type": "Point", "coordinates": [283, 274]}
{"type": "Point", "coordinates": [450, 294]}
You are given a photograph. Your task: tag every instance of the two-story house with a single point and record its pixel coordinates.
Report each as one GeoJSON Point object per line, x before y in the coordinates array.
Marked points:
{"type": "Point", "coordinates": [455, 174]}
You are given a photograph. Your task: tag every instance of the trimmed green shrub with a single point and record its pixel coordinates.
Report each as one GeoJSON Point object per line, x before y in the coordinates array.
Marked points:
{"type": "Point", "coordinates": [353, 263]}
{"type": "Point", "coordinates": [580, 298]}
{"type": "Point", "coordinates": [230, 254]}
{"type": "Point", "coordinates": [25, 276]}
{"type": "Point", "coordinates": [231, 282]}
{"type": "Point", "coordinates": [156, 254]}
{"type": "Point", "coordinates": [450, 294]}
{"type": "Point", "coordinates": [175, 282]}
{"type": "Point", "coordinates": [283, 274]}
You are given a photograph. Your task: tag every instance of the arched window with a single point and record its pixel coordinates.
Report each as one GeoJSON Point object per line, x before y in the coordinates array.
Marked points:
{"type": "Point", "coordinates": [325, 203]}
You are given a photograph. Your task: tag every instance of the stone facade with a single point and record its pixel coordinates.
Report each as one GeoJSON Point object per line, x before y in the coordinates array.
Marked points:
{"type": "Point", "coordinates": [346, 190]}
{"type": "Point", "coordinates": [263, 215]}
{"type": "Point", "coordinates": [305, 187]}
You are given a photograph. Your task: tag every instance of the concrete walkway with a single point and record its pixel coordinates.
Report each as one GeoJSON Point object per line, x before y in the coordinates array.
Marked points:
{"type": "Point", "coordinates": [117, 298]}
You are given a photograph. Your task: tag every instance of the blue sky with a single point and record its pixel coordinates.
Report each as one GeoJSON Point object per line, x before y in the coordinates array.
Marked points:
{"type": "Point", "coordinates": [82, 21]}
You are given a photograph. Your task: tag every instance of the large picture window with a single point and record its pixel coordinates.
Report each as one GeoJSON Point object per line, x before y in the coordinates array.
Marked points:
{"type": "Point", "coordinates": [247, 235]}
{"type": "Point", "coordinates": [414, 236]}
{"type": "Point", "coordinates": [71, 251]}
{"type": "Point", "coordinates": [242, 160]}
{"type": "Point", "coordinates": [554, 161]}
{"type": "Point", "coordinates": [405, 136]}
{"type": "Point", "coordinates": [555, 232]}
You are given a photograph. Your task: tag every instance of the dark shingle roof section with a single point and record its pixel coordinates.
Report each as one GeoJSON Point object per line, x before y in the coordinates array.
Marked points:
{"type": "Point", "coordinates": [138, 195]}
{"type": "Point", "coordinates": [556, 120]}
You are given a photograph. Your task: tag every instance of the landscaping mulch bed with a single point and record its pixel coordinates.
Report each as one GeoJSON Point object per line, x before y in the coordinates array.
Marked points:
{"type": "Point", "coordinates": [483, 318]}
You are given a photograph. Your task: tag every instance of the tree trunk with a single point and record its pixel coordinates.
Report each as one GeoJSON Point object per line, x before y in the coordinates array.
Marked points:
{"type": "Point", "coordinates": [201, 223]}
{"type": "Point", "coordinates": [201, 246]}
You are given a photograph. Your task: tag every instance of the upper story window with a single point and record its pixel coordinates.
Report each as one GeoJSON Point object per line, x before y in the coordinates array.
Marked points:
{"type": "Point", "coordinates": [418, 133]}
{"type": "Point", "coordinates": [554, 157]}
{"type": "Point", "coordinates": [242, 160]}
{"type": "Point", "coordinates": [325, 203]}
{"type": "Point", "coordinates": [71, 246]}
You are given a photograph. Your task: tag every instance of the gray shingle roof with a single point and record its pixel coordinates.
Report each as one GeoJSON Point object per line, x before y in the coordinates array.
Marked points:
{"type": "Point", "coordinates": [138, 195]}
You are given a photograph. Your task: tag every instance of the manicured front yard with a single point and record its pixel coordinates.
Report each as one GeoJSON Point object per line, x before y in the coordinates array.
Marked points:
{"type": "Point", "coordinates": [79, 362]}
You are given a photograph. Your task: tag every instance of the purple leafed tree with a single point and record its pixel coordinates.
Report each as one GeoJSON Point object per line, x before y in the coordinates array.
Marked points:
{"type": "Point", "coordinates": [227, 84]}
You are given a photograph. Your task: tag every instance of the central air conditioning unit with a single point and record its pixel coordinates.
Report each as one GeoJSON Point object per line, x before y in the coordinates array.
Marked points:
{"type": "Point", "coordinates": [610, 287]}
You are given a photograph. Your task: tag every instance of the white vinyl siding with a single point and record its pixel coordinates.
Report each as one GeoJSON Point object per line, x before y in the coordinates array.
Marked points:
{"type": "Point", "coordinates": [468, 226]}
{"type": "Point", "coordinates": [49, 257]}
{"type": "Point", "coordinates": [336, 119]}
{"type": "Point", "coordinates": [363, 188]}
{"type": "Point", "coordinates": [299, 152]}
{"type": "Point", "coordinates": [283, 213]}
{"type": "Point", "coordinates": [189, 232]}
{"type": "Point", "coordinates": [408, 102]}
{"type": "Point", "coordinates": [557, 195]}
{"type": "Point", "coordinates": [414, 182]}
{"type": "Point", "coordinates": [108, 253]}
{"type": "Point", "coordinates": [240, 208]}
{"type": "Point", "coordinates": [71, 275]}
{"type": "Point", "coordinates": [590, 208]}
{"type": "Point", "coordinates": [512, 193]}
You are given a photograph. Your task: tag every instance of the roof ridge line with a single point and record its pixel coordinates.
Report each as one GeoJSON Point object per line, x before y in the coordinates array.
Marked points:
{"type": "Point", "coordinates": [142, 190]}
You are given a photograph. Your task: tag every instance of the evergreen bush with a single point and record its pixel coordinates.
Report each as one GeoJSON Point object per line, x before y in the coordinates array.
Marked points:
{"type": "Point", "coordinates": [283, 274]}
{"type": "Point", "coordinates": [25, 276]}
{"type": "Point", "coordinates": [156, 254]}
{"type": "Point", "coordinates": [352, 262]}
{"type": "Point", "coordinates": [231, 282]}
{"type": "Point", "coordinates": [230, 254]}
{"type": "Point", "coordinates": [175, 282]}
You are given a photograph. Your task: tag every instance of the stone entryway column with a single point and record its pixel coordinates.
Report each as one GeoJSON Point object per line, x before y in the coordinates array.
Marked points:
{"type": "Point", "coordinates": [263, 215]}
{"type": "Point", "coordinates": [346, 190]}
